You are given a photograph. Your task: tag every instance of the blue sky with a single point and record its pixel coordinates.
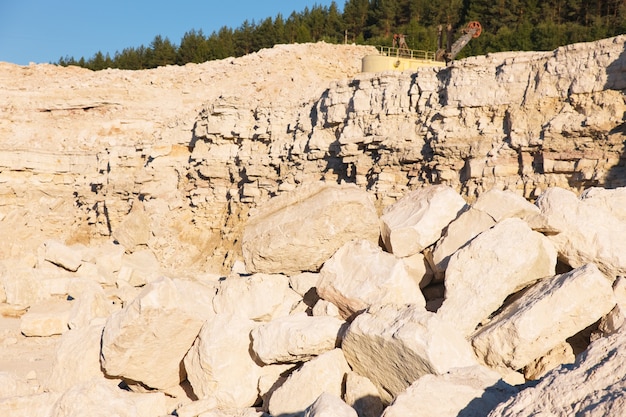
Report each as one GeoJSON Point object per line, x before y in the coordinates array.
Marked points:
{"type": "Point", "coordinates": [45, 30]}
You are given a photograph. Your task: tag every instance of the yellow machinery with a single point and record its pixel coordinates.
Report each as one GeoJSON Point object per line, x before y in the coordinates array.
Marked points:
{"type": "Point", "coordinates": [400, 58]}
{"type": "Point", "coordinates": [392, 59]}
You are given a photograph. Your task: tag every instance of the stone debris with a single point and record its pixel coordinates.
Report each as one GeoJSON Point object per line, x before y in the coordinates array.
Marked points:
{"type": "Point", "coordinates": [361, 274]}
{"type": "Point", "coordinates": [245, 239]}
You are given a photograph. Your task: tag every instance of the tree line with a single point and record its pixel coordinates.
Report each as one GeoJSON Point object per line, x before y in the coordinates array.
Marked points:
{"type": "Point", "coordinates": [508, 25]}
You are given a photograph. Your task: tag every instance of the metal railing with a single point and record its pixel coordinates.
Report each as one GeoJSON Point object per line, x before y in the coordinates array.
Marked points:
{"type": "Point", "coordinates": [406, 53]}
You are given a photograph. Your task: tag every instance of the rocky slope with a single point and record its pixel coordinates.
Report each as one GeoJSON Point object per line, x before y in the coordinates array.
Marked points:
{"type": "Point", "coordinates": [201, 144]}
{"type": "Point", "coordinates": [241, 236]}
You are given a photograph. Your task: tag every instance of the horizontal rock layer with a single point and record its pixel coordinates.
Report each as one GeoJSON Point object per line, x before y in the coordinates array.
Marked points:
{"type": "Point", "coordinates": [83, 146]}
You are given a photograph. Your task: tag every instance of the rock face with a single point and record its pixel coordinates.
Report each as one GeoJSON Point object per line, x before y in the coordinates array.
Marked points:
{"type": "Point", "coordinates": [194, 222]}
{"type": "Point", "coordinates": [201, 155]}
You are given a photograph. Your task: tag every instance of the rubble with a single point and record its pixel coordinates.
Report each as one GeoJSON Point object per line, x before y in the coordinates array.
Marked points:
{"type": "Point", "coordinates": [265, 240]}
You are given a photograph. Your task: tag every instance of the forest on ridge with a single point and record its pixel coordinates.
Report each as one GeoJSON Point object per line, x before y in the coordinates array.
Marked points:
{"type": "Point", "coordinates": [508, 25]}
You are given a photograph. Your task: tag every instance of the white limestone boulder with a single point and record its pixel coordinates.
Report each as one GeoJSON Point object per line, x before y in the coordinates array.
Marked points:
{"type": "Point", "coordinates": [417, 220]}
{"type": "Point", "coordinates": [147, 340]}
{"type": "Point", "coordinates": [504, 204]}
{"type": "Point", "coordinates": [47, 318]}
{"type": "Point", "coordinates": [324, 373]}
{"type": "Point", "coordinates": [494, 265]}
{"type": "Point", "coordinates": [325, 308]}
{"type": "Point", "coordinates": [259, 297]}
{"type": "Point", "coordinates": [295, 338]}
{"type": "Point", "coordinates": [381, 338]}
{"type": "Point", "coordinates": [107, 257]}
{"type": "Point", "coordinates": [589, 230]}
{"type": "Point", "coordinates": [77, 359]}
{"type": "Point", "coordinates": [361, 274]}
{"type": "Point", "coordinates": [613, 200]}
{"type": "Point", "coordinates": [543, 317]}
{"type": "Point", "coordinates": [219, 365]}
{"type": "Point", "coordinates": [97, 398]}
{"type": "Point", "coordinates": [593, 387]}
{"type": "Point", "coordinates": [327, 405]}
{"type": "Point", "coordinates": [362, 395]}
{"type": "Point", "coordinates": [459, 232]}
{"type": "Point", "coordinates": [304, 282]}
{"type": "Point", "coordinates": [470, 391]}
{"type": "Point", "coordinates": [298, 231]}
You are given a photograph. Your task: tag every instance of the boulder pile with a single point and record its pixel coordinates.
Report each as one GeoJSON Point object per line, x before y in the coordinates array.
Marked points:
{"type": "Point", "coordinates": [436, 306]}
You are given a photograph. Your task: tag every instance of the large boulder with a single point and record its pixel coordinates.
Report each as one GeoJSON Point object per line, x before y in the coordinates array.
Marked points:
{"type": "Point", "coordinates": [147, 340]}
{"type": "Point", "coordinates": [594, 386]}
{"type": "Point", "coordinates": [325, 373]}
{"type": "Point", "coordinates": [219, 364]}
{"type": "Point", "coordinates": [381, 338]}
{"type": "Point", "coordinates": [494, 265]}
{"type": "Point", "coordinates": [470, 391]}
{"type": "Point", "coordinates": [590, 230]}
{"type": "Point", "coordinates": [295, 338]}
{"type": "Point", "coordinates": [77, 359]}
{"type": "Point", "coordinates": [418, 219]}
{"type": "Point", "coordinates": [461, 230]}
{"type": "Point", "coordinates": [259, 297]}
{"type": "Point", "coordinates": [547, 314]}
{"type": "Point", "coordinates": [361, 274]}
{"type": "Point", "coordinates": [298, 231]}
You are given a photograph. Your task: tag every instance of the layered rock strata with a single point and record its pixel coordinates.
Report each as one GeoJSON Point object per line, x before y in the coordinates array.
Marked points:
{"type": "Point", "coordinates": [200, 145]}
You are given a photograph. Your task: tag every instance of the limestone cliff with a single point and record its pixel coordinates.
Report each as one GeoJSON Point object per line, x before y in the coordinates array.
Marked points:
{"type": "Point", "coordinates": [199, 146]}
